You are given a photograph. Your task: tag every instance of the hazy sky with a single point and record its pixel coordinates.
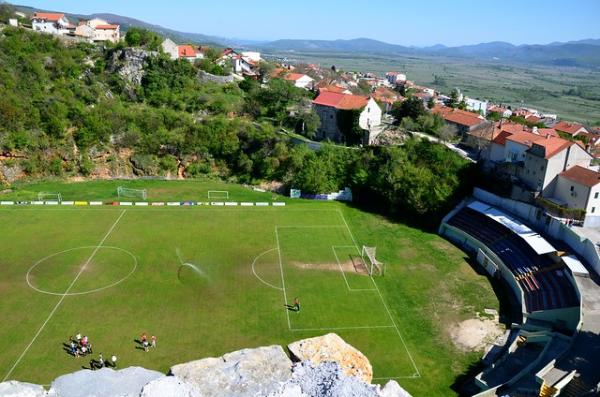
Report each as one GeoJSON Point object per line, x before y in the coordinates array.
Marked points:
{"type": "Point", "coordinates": [412, 22]}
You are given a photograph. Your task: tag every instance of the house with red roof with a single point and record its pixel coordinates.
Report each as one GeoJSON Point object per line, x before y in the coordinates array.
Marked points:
{"type": "Point", "coordinates": [51, 22]}
{"type": "Point", "coordinates": [300, 80]}
{"type": "Point", "coordinates": [579, 188]}
{"type": "Point", "coordinates": [188, 52]}
{"type": "Point", "coordinates": [547, 158]}
{"type": "Point", "coordinates": [98, 30]}
{"type": "Point", "coordinates": [572, 129]}
{"type": "Point", "coordinates": [329, 105]}
{"type": "Point", "coordinates": [462, 121]}
{"type": "Point", "coordinates": [242, 65]}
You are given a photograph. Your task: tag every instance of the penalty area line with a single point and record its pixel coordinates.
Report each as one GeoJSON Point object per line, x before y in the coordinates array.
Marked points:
{"type": "Point", "coordinates": [63, 296]}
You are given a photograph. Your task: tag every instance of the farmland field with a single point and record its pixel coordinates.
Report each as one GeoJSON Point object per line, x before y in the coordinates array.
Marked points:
{"type": "Point", "coordinates": [208, 280]}
{"type": "Point", "coordinates": [543, 88]}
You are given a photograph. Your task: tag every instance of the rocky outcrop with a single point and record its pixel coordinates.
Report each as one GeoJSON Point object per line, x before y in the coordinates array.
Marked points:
{"type": "Point", "coordinates": [247, 372]}
{"type": "Point", "coordinates": [170, 386]}
{"type": "Point", "coordinates": [393, 389]}
{"type": "Point", "coordinates": [331, 347]}
{"type": "Point", "coordinates": [127, 382]}
{"type": "Point", "coordinates": [129, 64]}
{"type": "Point", "coordinates": [263, 371]}
{"type": "Point", "coordinates": [21, 389]}
{"type": "Point", "coordinates": [326, 379]}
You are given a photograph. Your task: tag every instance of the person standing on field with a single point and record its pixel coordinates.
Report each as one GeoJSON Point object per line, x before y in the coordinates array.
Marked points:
{"type": "Point", "coordinates": [296, 304]}
{"type": "Point", "coordinates": [153, 340]}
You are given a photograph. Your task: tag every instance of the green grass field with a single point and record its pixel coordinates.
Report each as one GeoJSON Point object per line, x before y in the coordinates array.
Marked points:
{"type": "Point", "coordinates": [210, 280]}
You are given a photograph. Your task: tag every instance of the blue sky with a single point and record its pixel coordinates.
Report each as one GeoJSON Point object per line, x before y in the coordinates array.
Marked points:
{"type": "Point", "coordinates": [412, 22]}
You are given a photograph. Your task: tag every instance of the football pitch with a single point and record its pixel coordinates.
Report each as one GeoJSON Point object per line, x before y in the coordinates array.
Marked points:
{"type": "Point", "coordinates": [209, 280]}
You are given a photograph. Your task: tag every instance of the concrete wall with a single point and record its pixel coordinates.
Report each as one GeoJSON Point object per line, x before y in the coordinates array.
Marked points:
{"type": "Point", "coordinates": [545, 224]}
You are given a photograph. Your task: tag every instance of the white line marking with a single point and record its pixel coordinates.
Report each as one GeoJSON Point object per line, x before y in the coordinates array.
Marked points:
{"type": "Point", "coordinates": [62, 298]}
{"type": "Point", "coordinates": [333, 247]}
{"type": "Point", "coordinates": [257, 276]}
{"type": "Point", "coordinates": [135, 264]}
{"type": "Point", "coordinates": [287, 312]}
{"type": "Point", "coordinates": [418, 374]}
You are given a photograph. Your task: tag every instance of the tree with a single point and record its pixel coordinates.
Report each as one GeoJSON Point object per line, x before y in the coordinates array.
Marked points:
{"type": "Point", "coordinates": [453, 101]}
{"type": "Point", "coordinates": [430, 103]}
{"type": "Point", "coordinates": [348, 123]}
{"type": "Point", "coordinates": [139, 37]}
{"type": "Point", "coordinates": [412, 107]}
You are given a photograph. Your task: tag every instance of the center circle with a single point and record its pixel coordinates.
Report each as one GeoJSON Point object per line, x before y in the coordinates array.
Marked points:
{"type": "Point", "coordinates": [59, 273]}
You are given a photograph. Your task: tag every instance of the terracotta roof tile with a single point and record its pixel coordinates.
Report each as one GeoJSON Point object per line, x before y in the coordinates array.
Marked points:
{"type": "Point", "coordinates": [107, 27]}
{"type": "Point", "coordinates": [569, 128]}
{"type": "Point", "coordinates": [581, 175]}
{"type": "Point", "coordinates": [186, 51]}
{"type": "Point", "coordinates": [341, 101]}
{"type": "Point", "coordinates": [49, 16]}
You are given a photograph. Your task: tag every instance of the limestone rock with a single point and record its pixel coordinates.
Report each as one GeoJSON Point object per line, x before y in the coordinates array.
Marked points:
{"type": "Point", "coordinates": [13, 388]}
{"type": "Point", "coordinates": [104, 382]}
{"type": "Point", "coordinates": [325, 380]}
{"type": "Point", "coordinates": [331, 347]}
{"type": "Point", "coordinates": [248, 372]}
{"type": "Point", "coordinates": [170, 386]}
{"type": "Point", "coordinates": [393, 389]}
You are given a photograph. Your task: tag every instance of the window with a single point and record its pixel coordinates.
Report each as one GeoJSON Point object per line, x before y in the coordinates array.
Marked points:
{"type": "Point", "coordinates": [593, 209]}
{"type": "Point", "coordinates": [572, 188]}
{"type": "Point", "coordinates": [596, 195]}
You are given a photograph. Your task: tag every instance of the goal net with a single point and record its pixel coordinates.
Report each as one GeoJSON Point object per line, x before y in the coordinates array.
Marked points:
{"type": "Point", "coordinates": [374, 267]}
{"type": "Point", "coordinates": [135, 193]}
{"type": "Point", "coordinates": [218, 194]}
{"type": "Point", "coordinates": [49, 196]}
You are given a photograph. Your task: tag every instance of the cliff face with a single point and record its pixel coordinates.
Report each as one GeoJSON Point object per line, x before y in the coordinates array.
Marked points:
{"type": "Point", "coordinates": [264, 371]}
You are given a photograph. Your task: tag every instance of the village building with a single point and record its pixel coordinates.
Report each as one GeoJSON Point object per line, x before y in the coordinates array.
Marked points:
{"type": "Point", "coordinates": [49, 22]}
{"type": "Point", "coordinates": [395, 78]}
{"type": "Point", "coordinates": [328, 105]}
{"type": "Point", "coordinates": [572, 129]}
{"type": "Point", "coordinates": [462, 121]}
{"type": "Point", "coordinates": [300, 80]}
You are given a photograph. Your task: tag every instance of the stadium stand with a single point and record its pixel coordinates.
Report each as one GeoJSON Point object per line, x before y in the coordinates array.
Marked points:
{"type": "Point", "coordinates": [544, 286]}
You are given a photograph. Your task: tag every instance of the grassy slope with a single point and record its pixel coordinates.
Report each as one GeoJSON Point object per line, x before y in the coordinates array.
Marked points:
{"type": "Point", "coordinates": [537, 86]}
{"type": "Point", "coordinates": [428, 284]}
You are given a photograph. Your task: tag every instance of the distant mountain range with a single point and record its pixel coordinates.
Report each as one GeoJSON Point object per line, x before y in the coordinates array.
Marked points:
{"type": "Point", "coordinates": [581, 53]}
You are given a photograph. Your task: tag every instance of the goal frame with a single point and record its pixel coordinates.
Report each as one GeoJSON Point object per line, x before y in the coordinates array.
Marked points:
{"type": "Point", "coordinates": [53, 196]}
{"type": "Point", "coordinates": [130, 192]}
{"type": "Point", "coordinates": [223, 194]}
{"type": "Point", "coordinates": [369, 258]}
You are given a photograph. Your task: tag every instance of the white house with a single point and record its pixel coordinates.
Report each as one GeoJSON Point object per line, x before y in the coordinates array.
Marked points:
{"type": "Point", "coordinates": [108, 32]}
{"type": "Point", "coordinates": [579, 188]}
{"type": "Point", "coordinates": [300, 80]}
{"type": "Point", "coordinates": [98, 30]}
{"type": "Point", "coordinates": [475, 105]}
{"type": "Point", "coordinates": [170, 48]}
{"type": "Point", "coordinates": [13, 22]}
{"type": "Point", "coordinates": [253, 56]}
{"type": "Point", "coordinates": [49, 22]}
{"type": "Point", "coordinates": [395, 77]}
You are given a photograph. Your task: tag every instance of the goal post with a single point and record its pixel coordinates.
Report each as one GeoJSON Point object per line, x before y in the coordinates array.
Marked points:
{"type": "Point", "coordinates": [369, 258]}
{"type": "Point", "coordinates": [218, 194]}
{"type": "Point", "coordinates": [49, 196]}
{"type": "Point", "coordinates": [129, 192]}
